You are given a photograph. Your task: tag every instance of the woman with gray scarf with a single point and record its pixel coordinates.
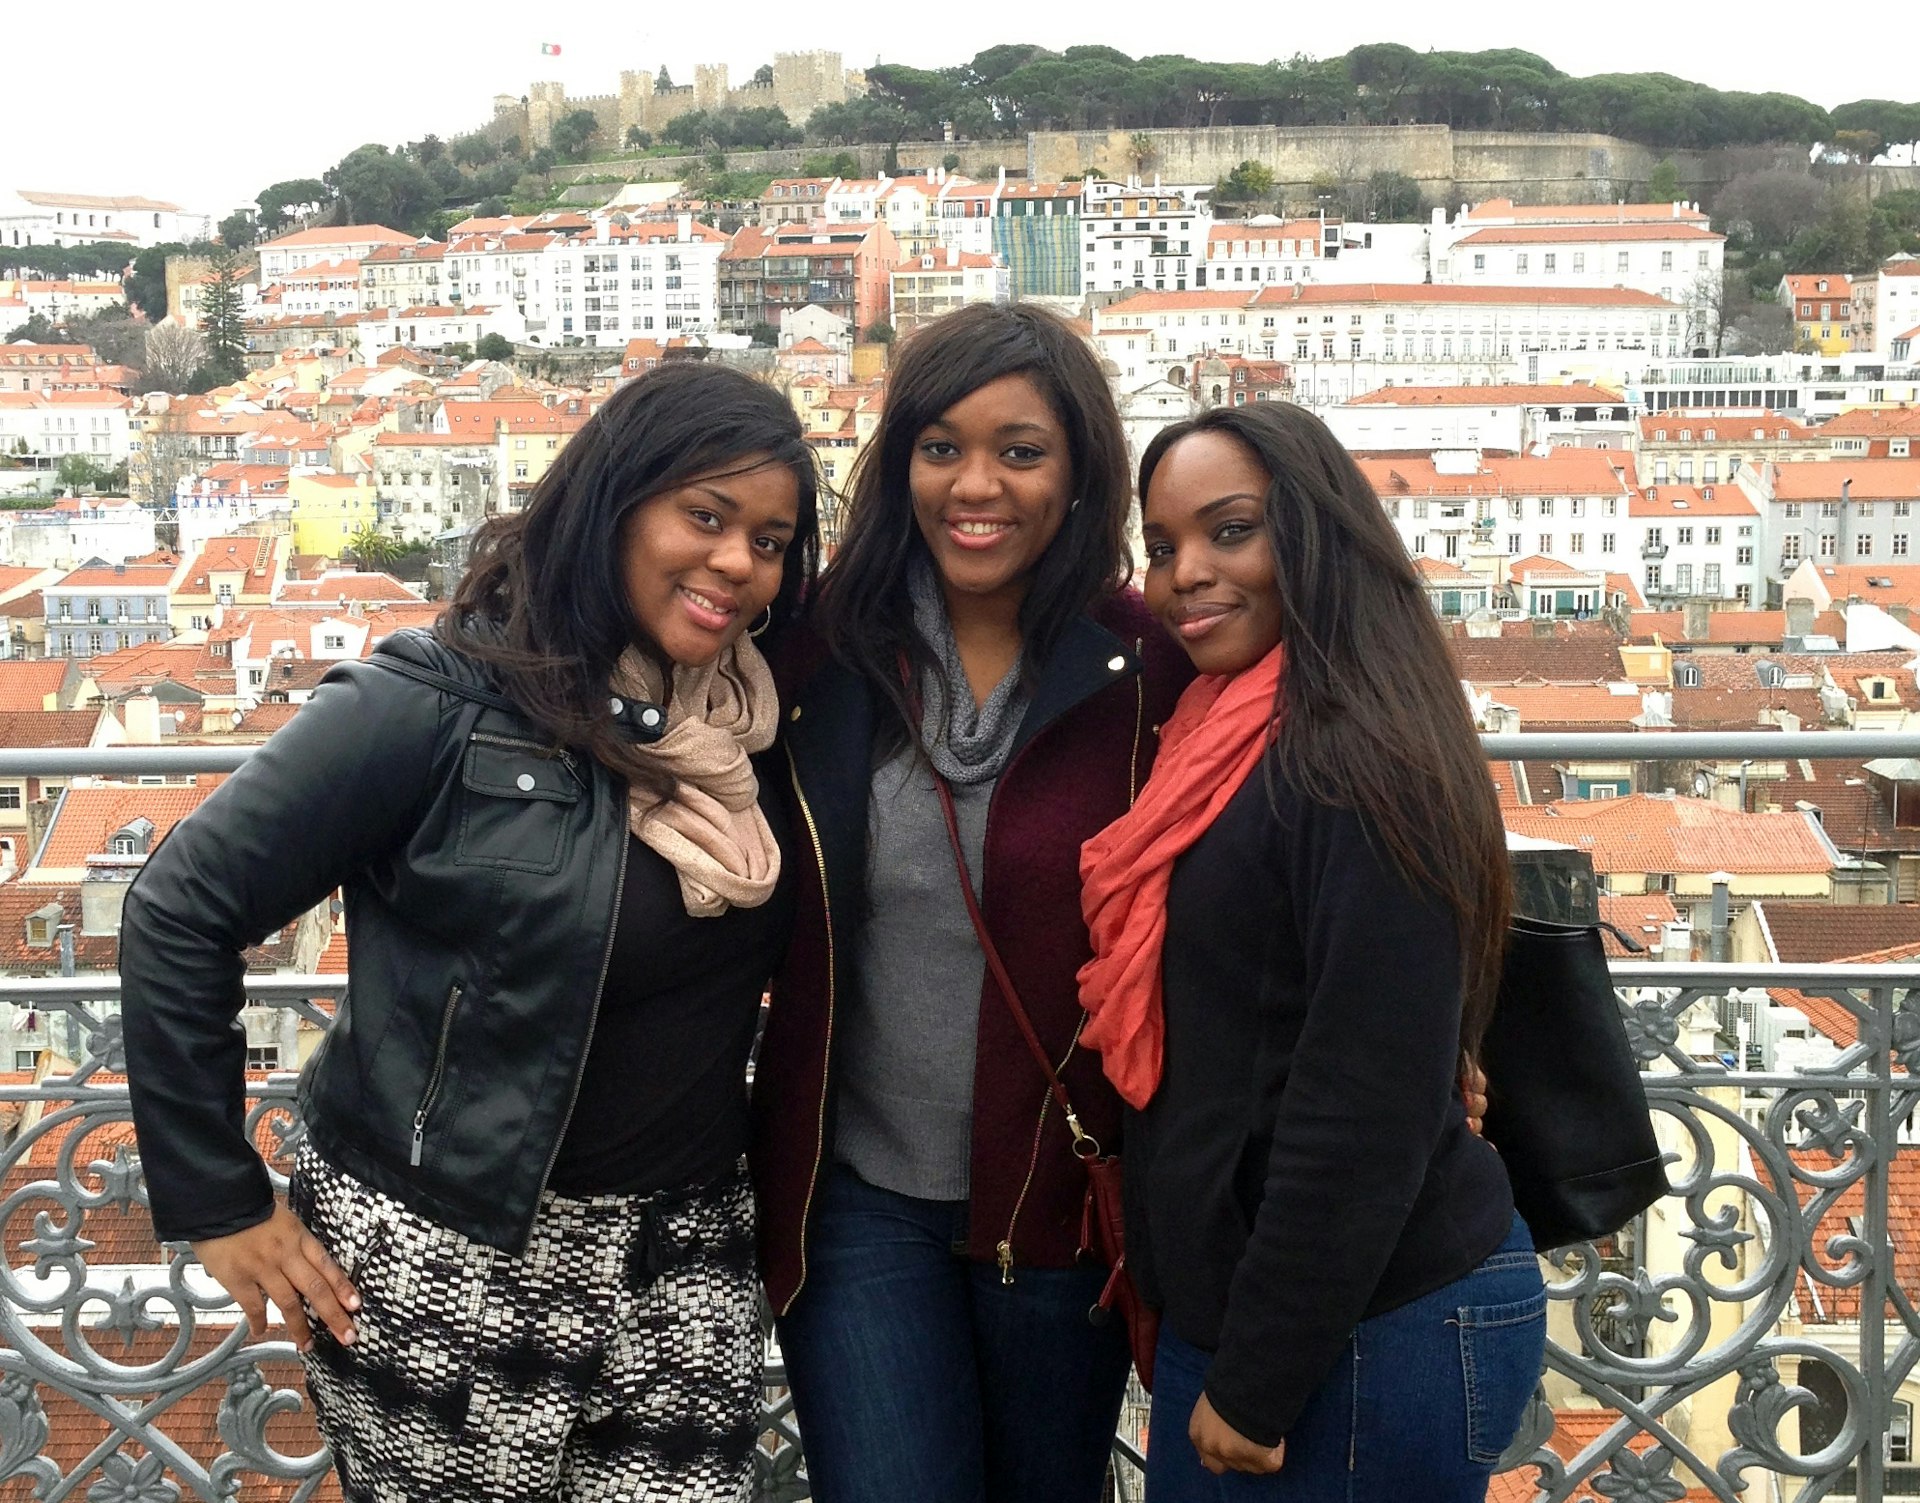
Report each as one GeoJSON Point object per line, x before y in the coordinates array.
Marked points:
{"type": "Point", "coordinates": [923, 1236]}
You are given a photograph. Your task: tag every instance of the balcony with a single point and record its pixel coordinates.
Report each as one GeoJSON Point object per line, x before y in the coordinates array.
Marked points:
{"type": "Point", "coordinates": [1715, 1344]}
{"type": "Point", "coordinates": [1653, 552]}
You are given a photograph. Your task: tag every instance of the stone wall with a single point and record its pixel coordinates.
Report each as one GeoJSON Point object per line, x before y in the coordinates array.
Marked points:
{"type": "Point", "coordinates": [1450, 166]}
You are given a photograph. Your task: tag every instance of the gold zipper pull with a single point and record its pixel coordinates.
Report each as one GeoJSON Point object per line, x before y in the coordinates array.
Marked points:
{"type": "Point", "coordinates": [1004, 1253]}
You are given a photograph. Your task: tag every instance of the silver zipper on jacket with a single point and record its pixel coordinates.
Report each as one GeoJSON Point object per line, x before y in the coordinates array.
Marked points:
{"type": "Point", "coordinates": [434, 1079]}
{"type": "Point", "coordinates": [538, 748]}
{"type": "Point", "coordinates": [593, 1018]}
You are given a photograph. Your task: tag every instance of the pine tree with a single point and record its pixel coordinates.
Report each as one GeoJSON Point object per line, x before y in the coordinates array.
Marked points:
{"type": "Point", "coordinates": [220, 317]}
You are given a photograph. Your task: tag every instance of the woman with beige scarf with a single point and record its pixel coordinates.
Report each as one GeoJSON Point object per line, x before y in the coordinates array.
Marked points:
{"type": "Point", "coordinates": [517, 1257]}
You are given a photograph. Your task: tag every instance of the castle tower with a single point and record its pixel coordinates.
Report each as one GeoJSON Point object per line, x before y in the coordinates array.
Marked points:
{"type": "Point", "coordinates": [546, 103]}
{"type": "Point", "coordinates": [710, 86]}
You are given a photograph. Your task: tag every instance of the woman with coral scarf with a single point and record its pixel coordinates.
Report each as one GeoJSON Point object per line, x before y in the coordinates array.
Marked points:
{"type": "Point", "coordinates": [1297, 931]}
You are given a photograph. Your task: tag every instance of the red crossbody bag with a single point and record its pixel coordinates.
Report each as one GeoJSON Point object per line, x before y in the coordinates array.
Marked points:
{"type": "Point", "coordinates": [1102, 1220]}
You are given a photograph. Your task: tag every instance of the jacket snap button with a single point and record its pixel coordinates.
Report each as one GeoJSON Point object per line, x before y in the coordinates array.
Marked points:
{"type": "Point", "coordinates": [616, 705]}
{"type": "Point", "coordinates": [794, 713]}
{"type": "Point", "coordinates": [649, 716]}
{"type": "Point", "coordinates": [1116, 663]}
{"type": "Point", "coordinates": [524, 782]}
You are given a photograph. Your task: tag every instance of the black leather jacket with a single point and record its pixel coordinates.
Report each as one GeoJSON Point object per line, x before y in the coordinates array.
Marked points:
{"type": "Point", "coordinates": [482, 870]}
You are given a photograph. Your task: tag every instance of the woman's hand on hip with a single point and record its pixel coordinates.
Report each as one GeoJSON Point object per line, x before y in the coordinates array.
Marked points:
{"type": "Point", "coordinates": [1224, 1449]}
{"type": "Point", "coordinates": [280, 1260]}
{"type": "Point", "coordinates": [1473, 1091]}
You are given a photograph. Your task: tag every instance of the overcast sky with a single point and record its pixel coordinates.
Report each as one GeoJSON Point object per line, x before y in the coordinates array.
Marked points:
{"type": "Point", "coordinates": [208, 107]}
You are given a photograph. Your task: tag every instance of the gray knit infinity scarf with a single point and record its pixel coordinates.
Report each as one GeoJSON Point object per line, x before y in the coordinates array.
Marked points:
{"type": "Point", "coordinates": [966, 744]}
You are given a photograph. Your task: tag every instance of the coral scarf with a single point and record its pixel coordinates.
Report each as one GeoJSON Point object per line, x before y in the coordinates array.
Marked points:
{"type": "Point", "coordinates": [710, 827]}
{"type": "Point", "coordinates": [1213, 740]}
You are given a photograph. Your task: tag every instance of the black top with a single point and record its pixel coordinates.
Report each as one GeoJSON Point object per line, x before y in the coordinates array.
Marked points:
{"type": "Point", "coordinates": [1306, 1162]}
{"type": "Point", "coordinates": [663, 1098]}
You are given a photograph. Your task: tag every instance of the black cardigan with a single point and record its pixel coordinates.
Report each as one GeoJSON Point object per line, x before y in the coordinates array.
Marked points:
{"type": "Point", "coordinates": [1306, 1161]}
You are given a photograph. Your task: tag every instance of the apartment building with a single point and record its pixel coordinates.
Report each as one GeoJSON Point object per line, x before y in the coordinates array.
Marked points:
{"type": "Point", "coordinates": [403, 276]}
{"type": "Point", "coordinates": [92, 610]}
{"type": "Point", "coordinates": [1822, 307]}
{"type": "Point", "coordinates": [844, 269]}
{"type": "Point", "coordinates": [1853, 512]}
{"type": "Point", "coordinates": [924, 287]}
{"type": "Point", "coordinates": [1034, 228]}
{"type": "Point", "coordinates": [1267, 248]}
{"type": "Point", "coordinates": [1142, 236]}
{"type": "Point", "coordinates": [32, 217]}
{"type": "Point", "coordinates": [300, 249]}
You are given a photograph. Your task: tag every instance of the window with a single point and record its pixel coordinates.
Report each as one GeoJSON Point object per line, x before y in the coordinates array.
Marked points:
{"type": "Point", "coordinates": [1863, 546]}
{"type": "Point", "coordinates": [1606, 542]}
{"type": "Point", "coordinates": [1900, 545]}
{"type": "Point", "coordinates": [1549, 262]}
{"type": "Point", "coordinates": [1900, 1433]}
{"type": "Point", "coordinates": [1577, 543]}
{"type": "Point", "coordinates": [1579, 261]}
{"type": "Point", "coordinates": [1683, 578]}
{"type": "Point", "coordinates": [1479, 262]}
{"type": "Point", "coordinates": [1710, 579]}
{"type": "Point", "coordinates": [1745, 555]}
{"type": "Point", "coordinates": [1829, 545]}
{"type": "Point", "coordinates": [1513, 544]}
{"type": "Point", "coordinates": [1789, 550]}
{"type": "Point", "coordinates": [1620, 261]}
{"type": "Point", "coordinates": [26, 1059]}
{"type": "Point", "coordinates": [1743, 593]}
{"type": "Point", "coordinates": [1520, 262]}
{"type": "Point", "coordinates": [333, 642]}
{"type": "Point", "coordinates": [1666, 260]}
{"type": "Point", "coordinates": [1683, 535]}
{"type": "Point", "coordinates": [1546, 506]}
{"type": "Point", "coordinates": [1546, 543]}
{"type": "Point", "coordinates": [1713, 535]}
{"type": "Point", "coordinates": [263, 1056]}
{"type": "Point", "coordinates": [1653, 576]}
{"type": "Point", "coordinates": [1791, 509]}
{"type": "Point", "coordinates": [9, 795]}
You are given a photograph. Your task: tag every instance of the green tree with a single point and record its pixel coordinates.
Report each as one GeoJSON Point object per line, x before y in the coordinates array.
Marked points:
{"type": "Point", "coordinates": [80, 472]}
{"type": "Point", "coordinates": [763, 76]}
{"type": "Point", "coordinates": [572, 132]}
{"type": "Point", "coordinates": [840, 164]}
{"type": "Point", "coordinates": [1394, 196]}
{"type": "Point", "coordinates": [764, 335]}
{"type": "Point", "coordinates": [663, 80]}
{"type": "Point", "coordinates": [38, 329]}
{"type": "Point", "coordinates": [951, 161]}
{"type": "Point", "coordinates": [371, 546]}
{"type": "Point", "coordinates": [1664, 186]}
{"type": "Point", "coordinates": [494, 347]}
{"type": "Point", "coordinates": [221, 324]}
{"type": "Point", "coordinates": [638, 139]}
{"type": "Point", "coordinates": [880, 332]}
{"type": "Point", "coordinates": [1249, 183]}
{"type": "Point", "coordinates": [474, 150]}
{"type": "Point", "coordinates": [146, 282]}
{"type": "Point", "coordinates": [239, 230]}
{"type": "Point", "coordinates": [296, 198]}
{"type": "Point", "coordinates": [377, 186]}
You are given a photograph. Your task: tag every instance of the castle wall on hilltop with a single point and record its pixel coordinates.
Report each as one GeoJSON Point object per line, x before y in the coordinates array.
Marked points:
{"type": "Point", "coordinates": [802, 82]}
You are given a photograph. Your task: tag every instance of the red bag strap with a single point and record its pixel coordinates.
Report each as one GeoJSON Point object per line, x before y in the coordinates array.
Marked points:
{"type": "Point", "coordinates": [1085, 1145]}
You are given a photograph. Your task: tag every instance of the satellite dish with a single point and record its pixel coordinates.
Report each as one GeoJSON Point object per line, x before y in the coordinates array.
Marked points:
{"type": "Point", "coordinates": [1702, 783]}
{"type": "Point", "coordinates": [236, 717]}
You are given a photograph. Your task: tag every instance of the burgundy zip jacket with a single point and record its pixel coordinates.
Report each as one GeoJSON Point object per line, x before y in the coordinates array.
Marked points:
{"type": "Point", "coordinates": [1084, 748]}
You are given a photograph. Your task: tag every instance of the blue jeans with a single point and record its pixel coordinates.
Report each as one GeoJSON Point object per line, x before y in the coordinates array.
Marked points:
{"type": "Point", "coordinates": [918, 1375]}
{"type": "Point", "coordinates": [1420, 1405]}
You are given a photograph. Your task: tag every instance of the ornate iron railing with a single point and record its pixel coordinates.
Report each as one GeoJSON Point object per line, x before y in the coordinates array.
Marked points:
{"type": "Point", "coordinates": [1754, 1335]}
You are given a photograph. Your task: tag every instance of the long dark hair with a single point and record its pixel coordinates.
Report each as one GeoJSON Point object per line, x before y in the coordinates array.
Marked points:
{"type": "Point", "coordinates": [543, 601]}
{"type": "Point", "coordinates": [865, 612]}
{"type": "Point", "coordinates": [1370, 712]}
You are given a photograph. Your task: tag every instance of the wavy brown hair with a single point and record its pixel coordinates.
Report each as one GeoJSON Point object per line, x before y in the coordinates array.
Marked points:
{"type": "Point", "coordinates": [1370, 716]}
{"type": "Point", "coordinates": [865, 613]}
{"type": "Point", "coordinates": [543, 602]}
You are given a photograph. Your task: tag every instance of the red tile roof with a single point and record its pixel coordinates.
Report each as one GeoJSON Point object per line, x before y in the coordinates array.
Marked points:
{"type": "Point", "coordinates": [337, 585]}
{"type": "Point", "coordinates": [1871, 480]}
{"type": "Point", "coordinates": [1656, 833]}
{"type": "Point", "coordinates": [32, 730]}
{"type": "Point", "coordinates": [1640, 915]}
{"type": "Point", "coordinates": [1573, 394]}
{"type": "Point", "coordinates": [1571, 652]}
{"type": "Point", "coordinates": [28, 684]}
{"type": "Point", "coordinates": [1678, 502]}
{"type": "Point", "coordinates": [86, 817]}
{"type": "Point", "coordinates": [1553, 234]}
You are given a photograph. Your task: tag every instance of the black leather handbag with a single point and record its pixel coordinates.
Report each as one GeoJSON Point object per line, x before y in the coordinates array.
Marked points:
{"type": "Point", "coordinates": [1565, 1104]}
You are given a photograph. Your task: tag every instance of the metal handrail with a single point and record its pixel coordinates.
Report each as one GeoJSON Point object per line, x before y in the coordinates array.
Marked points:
{"type": "Point", "coordinates": [1640, 746]}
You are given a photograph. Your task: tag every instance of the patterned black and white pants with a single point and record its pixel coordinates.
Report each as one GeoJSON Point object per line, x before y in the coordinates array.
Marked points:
{"type": "Point", "coordinates": [618, 1357]}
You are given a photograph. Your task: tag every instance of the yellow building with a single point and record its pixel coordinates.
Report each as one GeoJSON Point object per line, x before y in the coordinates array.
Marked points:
{"type": "Point", "coordinates": [1822, 309]}
{"type": "Point", "coordinates": [329, 509]}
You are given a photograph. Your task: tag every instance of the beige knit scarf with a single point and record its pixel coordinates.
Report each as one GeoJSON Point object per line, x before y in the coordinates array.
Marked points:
{"type": "Point", "coordinates": [710, 827]}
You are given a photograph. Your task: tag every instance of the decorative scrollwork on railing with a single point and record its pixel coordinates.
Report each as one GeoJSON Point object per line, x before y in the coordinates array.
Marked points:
{"type": "Point", "coordinates": [1718, 1341]}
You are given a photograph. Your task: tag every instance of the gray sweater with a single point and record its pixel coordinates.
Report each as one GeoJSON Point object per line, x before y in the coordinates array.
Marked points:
{"type": "Point", "coordinates": [907, 1047]}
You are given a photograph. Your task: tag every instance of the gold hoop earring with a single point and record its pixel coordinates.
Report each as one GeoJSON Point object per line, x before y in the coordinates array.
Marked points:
{"type": "Point", "coordinates": [761, 629]}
